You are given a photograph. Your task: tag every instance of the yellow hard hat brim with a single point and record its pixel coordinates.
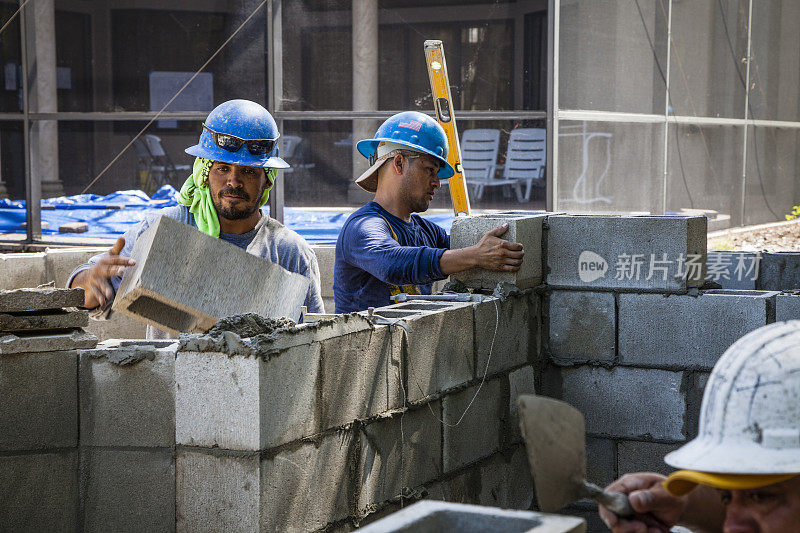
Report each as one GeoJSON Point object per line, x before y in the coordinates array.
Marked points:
{"type": "Point", "coordinates": [683, 481]}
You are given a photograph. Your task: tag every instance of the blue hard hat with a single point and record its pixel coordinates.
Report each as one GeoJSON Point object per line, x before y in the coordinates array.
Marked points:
{"type": "Point", "coordinates": [416, 130]}
{"type": "Point", "coordinates": [244, 120]}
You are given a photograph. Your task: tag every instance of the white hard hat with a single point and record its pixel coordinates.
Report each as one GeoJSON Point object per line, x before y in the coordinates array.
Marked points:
{"type": "Point", "coordinates": [750, 416]}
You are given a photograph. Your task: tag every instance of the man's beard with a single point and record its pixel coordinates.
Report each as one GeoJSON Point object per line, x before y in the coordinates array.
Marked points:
{"type": "Point", "coordinates": [235, 213]}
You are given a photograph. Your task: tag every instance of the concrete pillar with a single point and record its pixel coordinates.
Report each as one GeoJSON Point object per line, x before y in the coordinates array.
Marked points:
{"type": "Point", "coordinates": [3, 189]}
{"type": "Point", "coordinates": [365, 83]}
{"type": "Point", "coordinates": [43, 97]}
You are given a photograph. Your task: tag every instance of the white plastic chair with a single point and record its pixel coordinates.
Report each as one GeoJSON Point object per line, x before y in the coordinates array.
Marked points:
{"type": "Point", "coordinates": [526, 159]}
{"type": "Point", "coordinates": [479, 148]}
{"type": "Point", "coordinates": [161, 158]}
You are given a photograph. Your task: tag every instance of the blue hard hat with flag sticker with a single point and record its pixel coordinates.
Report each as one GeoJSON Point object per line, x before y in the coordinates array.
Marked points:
{"type": "Point", "coordinates": [240, 132]}
{"type": "Point", "coordinates": [417, 131]}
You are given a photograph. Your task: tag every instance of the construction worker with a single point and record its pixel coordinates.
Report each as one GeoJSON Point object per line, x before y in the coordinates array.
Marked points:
{"type": "Point", "coordinates": [234, 170]}
{"type": "Point", "coordinates": [384, 248]}
{"type": "Point", "coordinates": [742, 473]}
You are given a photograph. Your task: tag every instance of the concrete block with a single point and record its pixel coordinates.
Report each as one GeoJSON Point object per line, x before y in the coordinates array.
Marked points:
{"type": "Point", "coordinates": [682, 331]}
{"type": "Point", "coordinates": [34, 341]}
{"type": "Point", "coordinates": [506, 481]}
{"type": "Point", "coordinates": [779, 271]}
{"type": "Point", "coordinates": [400, 453]}
{"type": "Point", "coordinates": [361, 375]}
{"type": "Point", "coordinates": [614, 404]}
{"type": "Point", "coordinates": [440, 351]}
{"type": "Point", "coordinates": [37, 299]}
{"type": "Point", "coordinates": [127, 403]}
{"type": "Point", "coordinates": [506, 331]}
{"type": "Point", "coordinates": [604, 251]}
{"type": "Point", "coordinates": [128, 490]}
{"type": "Point", "coordinates": [308, 487]}
{"type": "Point", "coordinates": [520, 381]}
{"type": "Point", "coordinates": [637, 456]}
{"type": "Point", "coordinates": [733, 270]}
{"type": "Point", "coordinates": [42, 321]}
{"type": "Point", "coordinates": [601, 460]}
{"type": "Point", "coordinates": [22, 270]}
{"type": "Point", "coordinates": [216, 492]}
{"type": "Point", "coordinates": [325, 257]}
{"type": "Point", "coordinates": [174, 259]}
{"type": "Point", "coordinates": [118, 326]}
{"type": "Point", "coordinates": [523, 229]}
{"type": "Point", "coordinates": [74, 227]}
{"type": "Point", "coordinates": [43, 390]}
{"type": "Point", "coordinates": [582, 327]}
{"type": "Point", "coordinates": [60, 262]}
{"type": "Point", "coordinates": [787, 307]}
{"type": "Point", "coordinates": [445, 516]}
{"type": "Point", "coordinates": [39, 492]}
{"type": "Point", "coordinates": [246, 403]}
{"type": "Point", "coordinates": [472, 429]}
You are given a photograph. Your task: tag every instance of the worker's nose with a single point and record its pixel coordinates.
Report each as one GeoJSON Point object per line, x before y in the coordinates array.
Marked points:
{"type": "Point", "coordinates": [235, 177]}
{"type": "Point", "coordinates": [436, 182]}
{"type": "Point", "coordinates": [738, 520]}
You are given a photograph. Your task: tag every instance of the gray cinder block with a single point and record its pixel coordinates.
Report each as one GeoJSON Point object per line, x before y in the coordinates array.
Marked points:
{"type": "Point", "coordinates": [440, 350]}
{"type": "Point", "coordinates": [627, 402]}
{"type": "Point", "coordinates": [682, 331]}
{"type": "Point", "coordinates": [582, 326]}
{"type": "Point", "coordinates": [185, 280]}
{"type": "Point", "coordinates": [125, 402]}
{"type": "Point", "coordinates": [637, 456]}
{"type": "Point", "coordinates": [787, 307]}
{"type": "Point", "coordinates": [733, 269]}
{"type": "Point", "coordinates": [325, 256]}
{"type": "Point", "coordinates": [74, 227]}
{"type": "Point", "coordinates": [43, 320]}
{"type": "Point", "coordinates": [399, 453]}
{"type": "Point", "coordinates": [472, 432]}
{"type": "Point", "coordinates": [39, 492]}
{"type": "Point", "coordinates": [523, 229]}
{"type": "Point", "coordinates": [603, 251]}
{"type": "Point", "coordinates": [218, 492]}
{"type": "Point", "coordinates": [33, 341]}
{"type": "Point", "coordinates": [37, 299]}
{"type": "Point", "coordinates": [127, 490]}
{"type": "Point", "coordinates": [39, 392]}
{"type": "Point", "coordinates": [779, 271]}
{"type": "Point", "coordinates": [508, 329]}
{"type": "Point", "coordinates": [444, 516]}
{"type": "Point", "coordinates": [22, 270]}
{"type": "Point", "coordinates": [601, 460]}
{"type": "Point", "coordinates": [506, 480]}
{"type": "Point", "coordinates": [520, 381]}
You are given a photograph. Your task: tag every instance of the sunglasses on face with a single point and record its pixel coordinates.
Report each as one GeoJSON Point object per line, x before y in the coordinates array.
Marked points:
{"type": "Point", "coordinates": [232, 143]}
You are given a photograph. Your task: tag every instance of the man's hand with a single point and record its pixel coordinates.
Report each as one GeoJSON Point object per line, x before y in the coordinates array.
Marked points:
{"type": "Point", "coordinates": [491, 253]}
{"type": "Point", "coordinates": [656, 509]}
{"type": "Point", "coordinates": [94, 281]}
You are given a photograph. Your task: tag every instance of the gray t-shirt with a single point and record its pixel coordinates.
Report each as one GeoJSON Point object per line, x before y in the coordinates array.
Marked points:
{"type": "Point", "coordinates": [269, 240]}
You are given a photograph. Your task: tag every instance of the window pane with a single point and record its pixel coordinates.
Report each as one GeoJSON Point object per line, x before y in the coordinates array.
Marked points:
{"type": "Point", "coordinates": [771, 184]}
{"type": "Point", "coordinates": [12, 161]}
{"type": "Point", "coordinates": [612, 55]}
{"type": "Point", "coordinates": [10, 60]}
{"type": "Point", "coordinates": [610, 167]}
{"type": "Point", "coordinates": [706, 68]}
{"type": "Point", "coordinates": [705, 168]}
{"type": "Point", "coordinates": [775, 65]}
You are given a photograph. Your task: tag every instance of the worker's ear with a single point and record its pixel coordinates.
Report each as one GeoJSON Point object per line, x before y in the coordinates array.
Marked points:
{"type": "Point", "coordinates": [397, 163]}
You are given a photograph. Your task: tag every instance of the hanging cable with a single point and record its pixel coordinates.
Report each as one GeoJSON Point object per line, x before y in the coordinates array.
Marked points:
{"type": "Point", "coordinates": [2, 29]}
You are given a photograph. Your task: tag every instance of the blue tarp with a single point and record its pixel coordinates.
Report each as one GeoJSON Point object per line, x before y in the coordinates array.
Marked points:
{"type": "Point", "coordinates": [111, 215]}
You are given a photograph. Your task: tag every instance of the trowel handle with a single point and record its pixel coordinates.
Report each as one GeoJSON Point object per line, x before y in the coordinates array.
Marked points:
{"type": "Point", "coordinates": [615, 502]}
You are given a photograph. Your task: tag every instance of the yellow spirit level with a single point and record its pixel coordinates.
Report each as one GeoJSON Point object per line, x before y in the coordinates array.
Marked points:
{"type": "Point", "coordinates": [442, 103]}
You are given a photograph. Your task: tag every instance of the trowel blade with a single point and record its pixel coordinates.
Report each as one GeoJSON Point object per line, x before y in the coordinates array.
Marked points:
{"type": "Point", "coordinates": [554, 437]}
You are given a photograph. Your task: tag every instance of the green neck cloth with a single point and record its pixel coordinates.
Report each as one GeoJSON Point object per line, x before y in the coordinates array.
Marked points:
{"type": "Point", "coordinates": [196, 195]}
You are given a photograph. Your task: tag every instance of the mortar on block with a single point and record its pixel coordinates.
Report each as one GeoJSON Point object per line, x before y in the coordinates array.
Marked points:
{"type": "Point", "coordinates": [184, 281]}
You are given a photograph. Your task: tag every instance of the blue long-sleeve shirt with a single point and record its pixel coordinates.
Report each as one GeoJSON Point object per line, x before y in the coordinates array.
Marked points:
{"type": "Point", "coordinates": [370, 261]}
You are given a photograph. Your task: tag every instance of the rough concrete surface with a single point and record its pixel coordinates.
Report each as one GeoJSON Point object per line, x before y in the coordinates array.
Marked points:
{"type": "Point", "coordinates": [399, 454]}
{"type": "Point", "coordinates": [520, 381]}
{"type": "Point", "coordinates": [37, 299]}
{"type": "Point", "coordinates": [22, 270]}
{"type": "Point", "coordinates": [174, 260]}
{"type": "Point", "coordinates": [39, 492]}
{"type": "Point", "coordinates": [580, 241]}
{"type": "Point", "coordinates": [582, 326]}
{"type": "Point", "coordinates": [526, 230]}
{"type": "Point", "coordinates": [472, 432]}
{"type": "Point", "coordinates": [43, 320]}
{"type": "Point", "coordinates": [506, 480]}
{"type": "Point", "coordinates": [39, 392]}
{"type": "Point", "coordinates": [123, 404]}
{"type": "Point", "coordinates": [627, 402]}
{"type": "Point", "coordinates": [601, 460]}
{"type": "Point", "coordinates": [779, 271]}
{"type": "Point", "coordinates": [507, 330]}
{"type": "Point", "coordinates": [30, 342]}
{"type": "Point", "coordinates": [787, 307]}
{"type": "Point", "coordinates": [126, 490]}
{"type": "Point", "coordinates": [637, 456]}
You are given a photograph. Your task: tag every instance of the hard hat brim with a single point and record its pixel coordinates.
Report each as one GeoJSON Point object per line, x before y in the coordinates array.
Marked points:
{"type": "Point", "coordinates": [707, 454]}
{"type": "Point", "coordinates": [241, 157]}
{"type": "Point", "coordinates": [368, 148]}
{"type": "Point", "coordinates": [684, 481]}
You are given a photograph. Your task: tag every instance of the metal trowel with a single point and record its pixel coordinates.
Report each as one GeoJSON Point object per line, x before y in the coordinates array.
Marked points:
{"type": "Point", "coordinates": [556, 443]}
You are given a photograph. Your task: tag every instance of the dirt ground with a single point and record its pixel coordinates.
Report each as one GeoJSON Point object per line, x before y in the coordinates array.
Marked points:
{"type": "Point", "coordinates": [781, 237]}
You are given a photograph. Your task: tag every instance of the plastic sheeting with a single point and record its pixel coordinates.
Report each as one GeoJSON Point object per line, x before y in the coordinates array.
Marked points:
{"type": "Point", "coordinates": [111, 215]}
